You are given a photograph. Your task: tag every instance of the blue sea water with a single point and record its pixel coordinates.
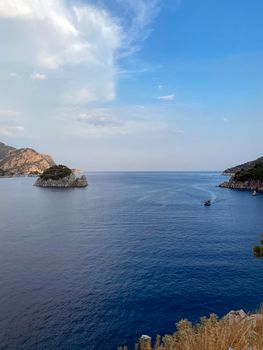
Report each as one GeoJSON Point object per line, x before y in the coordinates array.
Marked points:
{"type": "Point", "coordinates": [132, 254]}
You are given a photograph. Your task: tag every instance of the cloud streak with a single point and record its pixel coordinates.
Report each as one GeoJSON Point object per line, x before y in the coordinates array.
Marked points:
{"type": "Point", "coordinates": [11, 130]}
{"type": "Point", "coordinates": [9, 113]}
{"type": "Point", "coordinates": [38, 76]}
{"type": "Point", "coordinates": [98, 120]}
{"type": "Point", "coordinates": [167, 97]}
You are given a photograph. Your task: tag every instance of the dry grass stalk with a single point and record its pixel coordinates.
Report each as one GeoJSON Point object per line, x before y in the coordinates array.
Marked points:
{"type": "Point", "coordinates": [211, 334]}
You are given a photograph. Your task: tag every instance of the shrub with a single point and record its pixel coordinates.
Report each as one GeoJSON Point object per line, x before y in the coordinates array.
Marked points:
{"type": "Point", "coordinates": [254, 173]}
{"type": "Point", "coordinates": [258, 250]}
{"type": "Point", "coordinates": [210, 334]}
{"type": "Point", "coordinates": [56, 172]}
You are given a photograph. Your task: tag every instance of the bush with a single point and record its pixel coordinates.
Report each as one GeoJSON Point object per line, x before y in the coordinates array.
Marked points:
{"type": "Point", "coordinates": [258, 250]}
{"type": "Point", "coordinates": [210, 334]}
{"type": "Point", "coordinates": [56, 172]}
{"type": "Point", "coordinates": [254, 173]}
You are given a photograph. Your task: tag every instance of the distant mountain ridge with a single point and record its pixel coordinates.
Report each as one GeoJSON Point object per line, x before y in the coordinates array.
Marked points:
{"type": "Point", "coordinates": [24, 161]}
{"type": "Point", "coordinates": [244, 166]}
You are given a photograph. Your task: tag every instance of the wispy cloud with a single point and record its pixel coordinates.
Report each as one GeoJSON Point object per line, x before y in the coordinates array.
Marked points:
{"type": "Point", "coordinates": [137, 20]}
{"type": "Point", "coordinates": [8, 113]}
{"type": "Point", "coordinates": [11, 130]}
{"type": "Point", "coordinates": [129, 120]}
{"type": "Point", "coordinates": [99, 120]}
{"type": "Point", "coordinates": [38, 76]}
{"type": "Point", "coordinates": [14, 75]}
{"type": "Point", "coordinates": [66, 36]}
{"type": "Point", "coordinates": [10, 122]}
{"type": "Point", "coordinates": [167, 97]}
{"type": "Point", "coordinates": [86, 42]}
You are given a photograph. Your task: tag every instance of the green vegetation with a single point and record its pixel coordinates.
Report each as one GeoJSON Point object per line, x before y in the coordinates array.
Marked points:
{"type": "Point", "coordinates": [211, 334]}
{"type": "Point", "coordinates": [254, 173]}
{"type": "Point", "coordinates": [56, 172]}
{"type": "Point", "coordinates": [258, 249]}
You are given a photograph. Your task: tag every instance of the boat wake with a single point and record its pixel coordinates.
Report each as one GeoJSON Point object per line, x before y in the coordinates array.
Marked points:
{"type": "Point", "coordinates": [208, 193]}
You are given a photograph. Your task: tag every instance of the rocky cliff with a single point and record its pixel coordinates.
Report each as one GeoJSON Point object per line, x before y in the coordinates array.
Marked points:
{"type": "Point", "coordinates": [250, 185]}
{"type": "Point", "coordinates": [24, 161]}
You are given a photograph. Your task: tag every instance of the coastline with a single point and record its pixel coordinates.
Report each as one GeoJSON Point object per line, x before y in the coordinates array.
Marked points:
{"type": "Point", "coordinates": [243, 186]}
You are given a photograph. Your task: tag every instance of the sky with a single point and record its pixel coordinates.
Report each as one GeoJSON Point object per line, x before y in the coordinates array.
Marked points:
{"type": "Point", "coordinates": [133, 85]}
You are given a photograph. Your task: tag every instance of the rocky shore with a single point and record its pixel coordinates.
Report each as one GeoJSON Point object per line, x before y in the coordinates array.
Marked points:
{"type": "Point", "coordinates": [69, 181]}
{"type": "Point", "coordinates": [249, 185]}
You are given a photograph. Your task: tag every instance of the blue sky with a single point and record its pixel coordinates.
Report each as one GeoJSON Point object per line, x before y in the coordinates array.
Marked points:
{"type": "Point", "coordinates": [133, 84]}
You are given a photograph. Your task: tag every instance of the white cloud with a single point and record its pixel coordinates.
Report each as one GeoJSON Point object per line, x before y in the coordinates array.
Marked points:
{"type": "Point", "coordinates": [99, 120]}
{"type": "Point", "coordinates": [225, 120]}
{"type": "Point", "coordinates": [167, 97]}
{"type": "Point", "coordinates": [83, 41]}
{"type": "Point", "coordinates": [11, 130]}
{"type": "Point", "coordinates": [80, 40]}
{"type": "Point", "coordinates": [8, 113]}
{"type": "Point", "coordinates": [38, 76]}
{"type": "Point", "coordinates": [14, 75]}
{"type": "Point", "coordinates": [137, 19]}
{"type": "Point", "coordinates": [10, 122]}
{"type": "Point", "coordinates": [131, 120]}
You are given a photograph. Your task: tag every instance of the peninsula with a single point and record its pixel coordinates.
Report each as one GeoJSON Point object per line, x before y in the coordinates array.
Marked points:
{"type": "Point", "coordinates": [248, 176]}
{"type": "Point", "coordinates": [244, 166]}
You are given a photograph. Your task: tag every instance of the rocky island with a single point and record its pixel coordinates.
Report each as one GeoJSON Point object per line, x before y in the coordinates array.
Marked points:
{"type": "Point", "coordinates": [60, 176]}
{"type": "Point", "coordinates": [22, 162]}
{"type": "Point", "coordinates": [249, 177]}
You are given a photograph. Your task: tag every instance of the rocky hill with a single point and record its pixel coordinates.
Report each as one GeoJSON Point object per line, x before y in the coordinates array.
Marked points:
{"type": "Point", "coordinates": [244, 166]}
{"type": "Point", "coordinates": [24, 161]}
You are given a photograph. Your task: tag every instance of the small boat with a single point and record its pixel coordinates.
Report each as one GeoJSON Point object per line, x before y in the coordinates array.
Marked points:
{"type": "Point", "coordinates": [254, 193]}
{"type": "Point", "coordinates": [207, 203]}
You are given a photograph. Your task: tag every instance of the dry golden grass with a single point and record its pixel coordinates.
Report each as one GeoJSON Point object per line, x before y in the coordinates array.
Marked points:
{"type": "Point", "coordinates": [211, 334]}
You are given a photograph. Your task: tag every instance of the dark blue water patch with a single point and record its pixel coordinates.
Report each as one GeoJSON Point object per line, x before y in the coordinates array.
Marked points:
{"type": "Point", "coordinates": [132, 254]}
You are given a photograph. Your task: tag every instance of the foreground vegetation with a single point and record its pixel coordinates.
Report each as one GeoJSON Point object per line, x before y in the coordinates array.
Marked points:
{"type": "Point", "coordinates": [258, 249]}
{"type": "Point", "coordinates": [254, 173]}
{"type": "Point", "coordinates": [56, 172]}
{"type": "Point", "coordinates": [211, 334]}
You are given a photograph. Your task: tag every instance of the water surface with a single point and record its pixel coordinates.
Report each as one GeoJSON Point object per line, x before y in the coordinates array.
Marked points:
{"type": "Point", "coordinates": [132, 254]}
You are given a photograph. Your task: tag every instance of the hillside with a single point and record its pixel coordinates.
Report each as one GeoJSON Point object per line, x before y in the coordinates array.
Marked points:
{"type": "Point", "coordinates": [24, 161]}
{"type": "Point", "coordinates": [5, 150]}
{"type": "Point", "coordinates": [244, 166]}
{"type": "Point", "coordinates": [250, 178]}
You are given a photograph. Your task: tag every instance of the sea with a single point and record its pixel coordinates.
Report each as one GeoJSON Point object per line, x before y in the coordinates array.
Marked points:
{"type": "Point", "coordinates": [131, 254]}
